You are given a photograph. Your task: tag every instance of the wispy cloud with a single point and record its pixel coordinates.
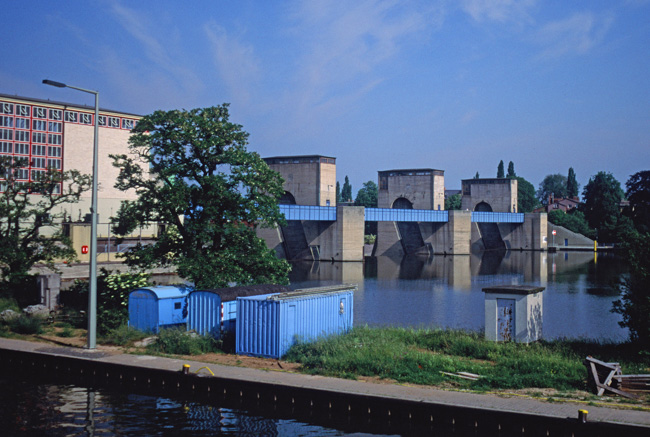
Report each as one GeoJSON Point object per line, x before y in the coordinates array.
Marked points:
{"type": "Point", "coordinates": [235, 61]}
{"type": "Point", "coordinates": [577, 34]}
{"type": "Point", "coordinates": [517, 11]}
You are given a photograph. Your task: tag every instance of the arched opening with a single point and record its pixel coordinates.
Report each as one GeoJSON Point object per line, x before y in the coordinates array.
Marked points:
{"type": "Point", "coordinates": [287, 199]}
{"type": "Point", "coordinates": [490, 233]}
{"type": "Point", "coordinates": [409, 232]}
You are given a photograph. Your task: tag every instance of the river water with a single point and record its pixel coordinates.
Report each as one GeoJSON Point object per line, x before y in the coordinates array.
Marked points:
{"type": "Point", "coordinates": [446, 291]}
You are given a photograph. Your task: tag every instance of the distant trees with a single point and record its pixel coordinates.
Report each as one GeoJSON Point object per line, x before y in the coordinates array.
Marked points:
{"type": "Point", "coordinates": [573, 220]}
{"type": "Point", "coordinates": [500, 171]}
{"type": "Point", "coordinates": [453, 202]}
{"type": "Point", "coordinates": [602, 206]}
{"type": "Point", "coordinates": [367, 197]}
{"type": "Point", "coordinates": [638, 193]}
{"type": "Point", "coordinates": [511, 171]}
{"type": "Point", "coordinates": [476, 176]}
{"type": "Point", "coordinates": [338, 192]}
{"type": "Point", "coordinates": [553, 184]}
{"type": "Point", "coordinates": [346, 191]}
{"type": "Point", "coordinates": [526, 200]}
{"type": "Point", "coordinates": [572, 185]}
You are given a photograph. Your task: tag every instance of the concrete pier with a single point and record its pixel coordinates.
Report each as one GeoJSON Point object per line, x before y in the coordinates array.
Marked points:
{"type": "Point", "coordinates": [388, 408]}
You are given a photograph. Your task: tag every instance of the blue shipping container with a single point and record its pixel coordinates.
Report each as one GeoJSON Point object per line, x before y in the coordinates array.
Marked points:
{"type": "Point", "coordinates": [268, 326]}
{"type": "Point", "coordinates": [212, 311]}
{"type": "Point", "coordinates": [151, 308]}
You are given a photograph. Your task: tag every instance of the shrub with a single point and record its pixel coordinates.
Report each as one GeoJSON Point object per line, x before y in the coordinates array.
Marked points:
{"type": "Point", "coordinates": [123, 335]}
{"type": "Point", "coordinates": [26, 325]}
{"type": "Point", "coordinates": [176, 341]}
{"type": "Point", "coordinates": [8, 303]}
{"type": "Point", "coordinates": [66, 333]}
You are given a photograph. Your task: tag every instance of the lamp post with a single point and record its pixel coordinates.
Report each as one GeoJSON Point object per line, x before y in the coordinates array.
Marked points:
{"type": "Point", "coordinates": [92, 288]}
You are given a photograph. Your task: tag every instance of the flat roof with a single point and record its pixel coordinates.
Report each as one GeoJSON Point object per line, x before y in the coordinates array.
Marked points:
{"type": "Point", "coordinates": [298, 156]}
{"type": "Point", "coordinates": [58, 103]}
{"type": "Point", "coordinates": [410, 170]}
{"type": "Point", "coordinates": [488, 180]}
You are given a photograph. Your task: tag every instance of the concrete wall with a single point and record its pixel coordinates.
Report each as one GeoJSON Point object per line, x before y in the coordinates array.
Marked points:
{"type": "Point", "coordinates": [500, 194]}
{"type": "Point", "coordinates": [530, 235]}
{"type": "Point", "coordinates": [566, 239]}
{"type": "Point", "coordinates": [424, 188]}
{"type": "Point", "coordinates": [310, 179]}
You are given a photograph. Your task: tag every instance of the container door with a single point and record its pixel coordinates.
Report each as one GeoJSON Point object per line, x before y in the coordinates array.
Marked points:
{"type": "Point", "coordinates": [505, 319]}
{"type": "Point", "coordinates": [343, 314]}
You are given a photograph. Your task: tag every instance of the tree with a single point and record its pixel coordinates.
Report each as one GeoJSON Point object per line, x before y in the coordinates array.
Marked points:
{"type": "Point", "coordinates": [526, 200]}
{"type": "Point", "coordinates": [511, 171]}
{"type": "Point", "coordinates": [553, 184]}
{"type": "Point", "coordinates": [476, 176]}
{"type": "Point", "coordinates": [572, 186]}
{"type": "Point", "coordinates": [573, 220]}
{"type": "Point", "coordinates": [453, 202]}
{"type": "Point", "coordinates": [338, 192]}
{"type": "Point", "coordinates": [500, 172]}
{"type": "Point", "coordinates": [346, 192]}
{"type": "Point", "coordinates": [208, 191]}
{"type": "Point", "coordinates": [602, 202]}
{"type": "Point", "coordinates": [27, 210]}
{"type": "Point", "coordinates": [367, 197]}
{"type": "Point", "coordinates": [634, 304]}
{"type": "Point", "coordinates": [638, 193]}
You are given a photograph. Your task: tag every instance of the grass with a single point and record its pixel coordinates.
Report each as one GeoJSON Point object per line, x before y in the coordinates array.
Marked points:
{"type": "Point", "coordinates": [175, 341]}
{"type": "Point", "coordinates": [123, 335]}
{"type": "Point", "coordinates": [418, 356]}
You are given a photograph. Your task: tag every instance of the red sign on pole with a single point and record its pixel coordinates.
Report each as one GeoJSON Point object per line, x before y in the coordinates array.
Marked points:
{"type": "Point", "coordinates": [554, 232]}
{"type": "Point", "coordinates": [84, 250]}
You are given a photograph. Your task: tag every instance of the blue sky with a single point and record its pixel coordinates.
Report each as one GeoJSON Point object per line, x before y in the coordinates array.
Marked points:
{"type": "Point", "coordinates": [378, 84]}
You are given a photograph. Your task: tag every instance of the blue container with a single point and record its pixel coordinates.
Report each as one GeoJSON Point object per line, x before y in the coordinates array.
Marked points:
{"type": "Point", "coordinates": [151, 308]}
{"type": "Point", "coordinates": [211, 312]}
{"type": "Point", "coordinates": [268, 326]}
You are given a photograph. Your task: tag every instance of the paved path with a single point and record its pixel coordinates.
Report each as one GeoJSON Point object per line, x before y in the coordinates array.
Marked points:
{"type": "Point", "coordinates": [515, 404]}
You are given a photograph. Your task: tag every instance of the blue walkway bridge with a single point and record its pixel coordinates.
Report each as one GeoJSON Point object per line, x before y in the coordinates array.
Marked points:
{"type": "Point", "coordinates": [328, 213]}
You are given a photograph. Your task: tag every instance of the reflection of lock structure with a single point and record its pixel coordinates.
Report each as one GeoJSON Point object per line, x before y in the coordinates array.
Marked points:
{"type": "Point", "coordinates": [342, 310]}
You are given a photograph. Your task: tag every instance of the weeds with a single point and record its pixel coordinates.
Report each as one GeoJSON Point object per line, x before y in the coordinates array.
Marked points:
{"type": "Point", "coordinates": [123, 335]}
{"type": "Point", "coordinates": [7, 303]}
{"type": "Point", "coordinates": [26, 325]}
{"type": "Point", "coordinates": [176, 341]}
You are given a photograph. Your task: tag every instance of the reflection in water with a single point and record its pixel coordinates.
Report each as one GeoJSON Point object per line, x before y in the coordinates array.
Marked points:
{"type": "Point", "coordinates": [446, 291]}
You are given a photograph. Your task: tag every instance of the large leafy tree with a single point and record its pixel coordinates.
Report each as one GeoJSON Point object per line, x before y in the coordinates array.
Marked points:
{"type": "Point", "coordinates": [526, 200]}
{"type": "Point", "coordinates": [553, 184]}
{"type": "Point", "coordinates": [31, 216]}
{"type": "Point", "coordinates": [453, 202]}
{"type": "Point", "coordinates": [572, 186]}
{"type": "Point", "coordinates": [367, 197]}
{"type": "Point", "coordinates": [193, 173]}
{"type": "Point", "coordinates": [602, 202]}
{"type": "Point", "coordinates": [573, 220]}
{"type": "Point", "coordinates": [500, 170]}
{"type": "Point", "coordinates": [638, 193]}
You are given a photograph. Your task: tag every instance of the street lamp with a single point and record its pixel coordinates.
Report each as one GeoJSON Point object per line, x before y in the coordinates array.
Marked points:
{"type": "Point", "coordinates": [92, 289]}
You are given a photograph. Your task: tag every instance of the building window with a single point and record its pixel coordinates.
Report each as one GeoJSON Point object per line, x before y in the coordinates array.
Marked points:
{"type": "Point", "coordinates": [38, 137]}
{"type": "Point", "coordinates": [55, 114]}
{"type": "Point", "coordinates": [85, 118]}
{"type": "Point", "coordinates": [114, 122]}
{"type": "Point", "coordinates": [54, 151]}
{"type": "Point", "coordinates": [40, 112]}
{"type": "Point", "coordinates": [71, 116]}
{"type": "Point", "coordinates": [54, 139]}
{"type": "Point", "coordinates": [22, 173]}
{"type": "Point", "coordinates": [127, 124]}
{"type": "Point", "coordinates": [22, 135]}
{"type": "Point", "coordinates": [6, 121]}
{"type": "Point", "coordinates": [54, 126]}
{"type": "Point", "coordinates": [6, 108]}
{"type": "Point", "coordinates": [22, 123]}
{"type": "Point", "coordinates": [102, 120]}
{"type": "Point", "coordinates": [6, 134]}
{"type": "Point", "coordinates": [38, 150]}
{"type": "Point", "coordinates": [36, 174]}
{"type": "Point", "coordinates": [54, 163]}
{"type": "Point", "coordinates": [6, 147]}
{"type": "Point", "coordinates": [38, 162]}
{"type": "Point", "coordinates": [21, 149]}
{"type": "Point", "coordinates": [39, 125]}
{"type": "Point", "coordinates": [23, 110]}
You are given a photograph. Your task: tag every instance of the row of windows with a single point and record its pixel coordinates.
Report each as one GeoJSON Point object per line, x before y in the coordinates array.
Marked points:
{"type": "Point", "coordinates": [38, 112]}
{"type": "Point", "coordinates": [37, 137]}
{"type": "Point", "coordinates": [23, 123]}
{"type": "Point", "coordinates": [36, 163]}
{"type": "Point", "coordinates": [23, 149]}
{"type": "Point", "coordinates": [21, 184]}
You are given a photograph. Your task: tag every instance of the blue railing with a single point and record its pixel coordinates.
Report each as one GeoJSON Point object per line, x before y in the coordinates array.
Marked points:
{"type": "Point", "coordinates": [406, 215]}
{"type": "Point", "coordinates": [497, 217]}
{"type": "Point", "coordinates": [328, 213]}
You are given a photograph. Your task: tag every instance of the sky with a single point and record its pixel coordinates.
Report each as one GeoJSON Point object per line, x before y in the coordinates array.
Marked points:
{"type": "Point", "coordinates": [454, 85]}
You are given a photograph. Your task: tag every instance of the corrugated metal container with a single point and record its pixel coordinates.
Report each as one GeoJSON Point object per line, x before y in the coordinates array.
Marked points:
{"type": "Point", "coordinates": [151, 308]}
{"type": "Point", "coordinates": [213, 311]}
{"type": "Point", "coordinates": [268, 326]}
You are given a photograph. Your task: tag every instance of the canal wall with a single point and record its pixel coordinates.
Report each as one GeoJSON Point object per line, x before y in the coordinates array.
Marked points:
{"type": "Point", "coordinates": [385, 408]}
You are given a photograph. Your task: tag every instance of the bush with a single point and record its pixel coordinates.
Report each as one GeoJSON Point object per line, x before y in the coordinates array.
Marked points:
{"type": "Point", "coordinates": [123, 335]}
{"type": "Point", "coordinates": [176, 341]}
{"type": "Point", "coordinates": [26, 325]}
{"type": "Point", "coordinates": [8, 303]}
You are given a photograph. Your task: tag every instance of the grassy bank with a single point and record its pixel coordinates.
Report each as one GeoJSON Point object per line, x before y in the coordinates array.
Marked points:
{"type": "Point", "coordinates": [418, 356]}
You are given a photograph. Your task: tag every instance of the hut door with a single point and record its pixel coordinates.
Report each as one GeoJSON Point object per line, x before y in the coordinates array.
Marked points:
{"type": "Point", "coordinates": [505, 319]}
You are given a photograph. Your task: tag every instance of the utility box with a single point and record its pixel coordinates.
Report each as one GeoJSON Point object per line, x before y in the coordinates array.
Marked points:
{"type": "Point", "coordinates": [152, 308]}
{"type": "Point", "coordinates": [211, 312]}
{"type": "Point", "coordinates": [267, 326]}
{"type": "Point", "coordinates": [513, 313]}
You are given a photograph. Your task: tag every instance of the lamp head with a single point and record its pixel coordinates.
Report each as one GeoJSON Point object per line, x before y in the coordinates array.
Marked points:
{"type": "Point", "coordinates": [53, 83]}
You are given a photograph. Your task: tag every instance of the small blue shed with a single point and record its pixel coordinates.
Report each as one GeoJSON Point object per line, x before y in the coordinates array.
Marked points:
{"type": "Point", "coordinates": [213, 311]}
{"type": "Point", "coordinates": [152, 308]}
{"type": "Point", "coordinates": [268, 326]}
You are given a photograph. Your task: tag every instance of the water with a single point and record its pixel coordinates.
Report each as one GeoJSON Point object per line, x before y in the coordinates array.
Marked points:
{"type": "Point", "coordinates": [446, 291]}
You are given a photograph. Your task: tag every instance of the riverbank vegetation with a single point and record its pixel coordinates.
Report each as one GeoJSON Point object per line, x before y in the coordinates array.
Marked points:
{"type": "Point", "coordinates": [434, 357]}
